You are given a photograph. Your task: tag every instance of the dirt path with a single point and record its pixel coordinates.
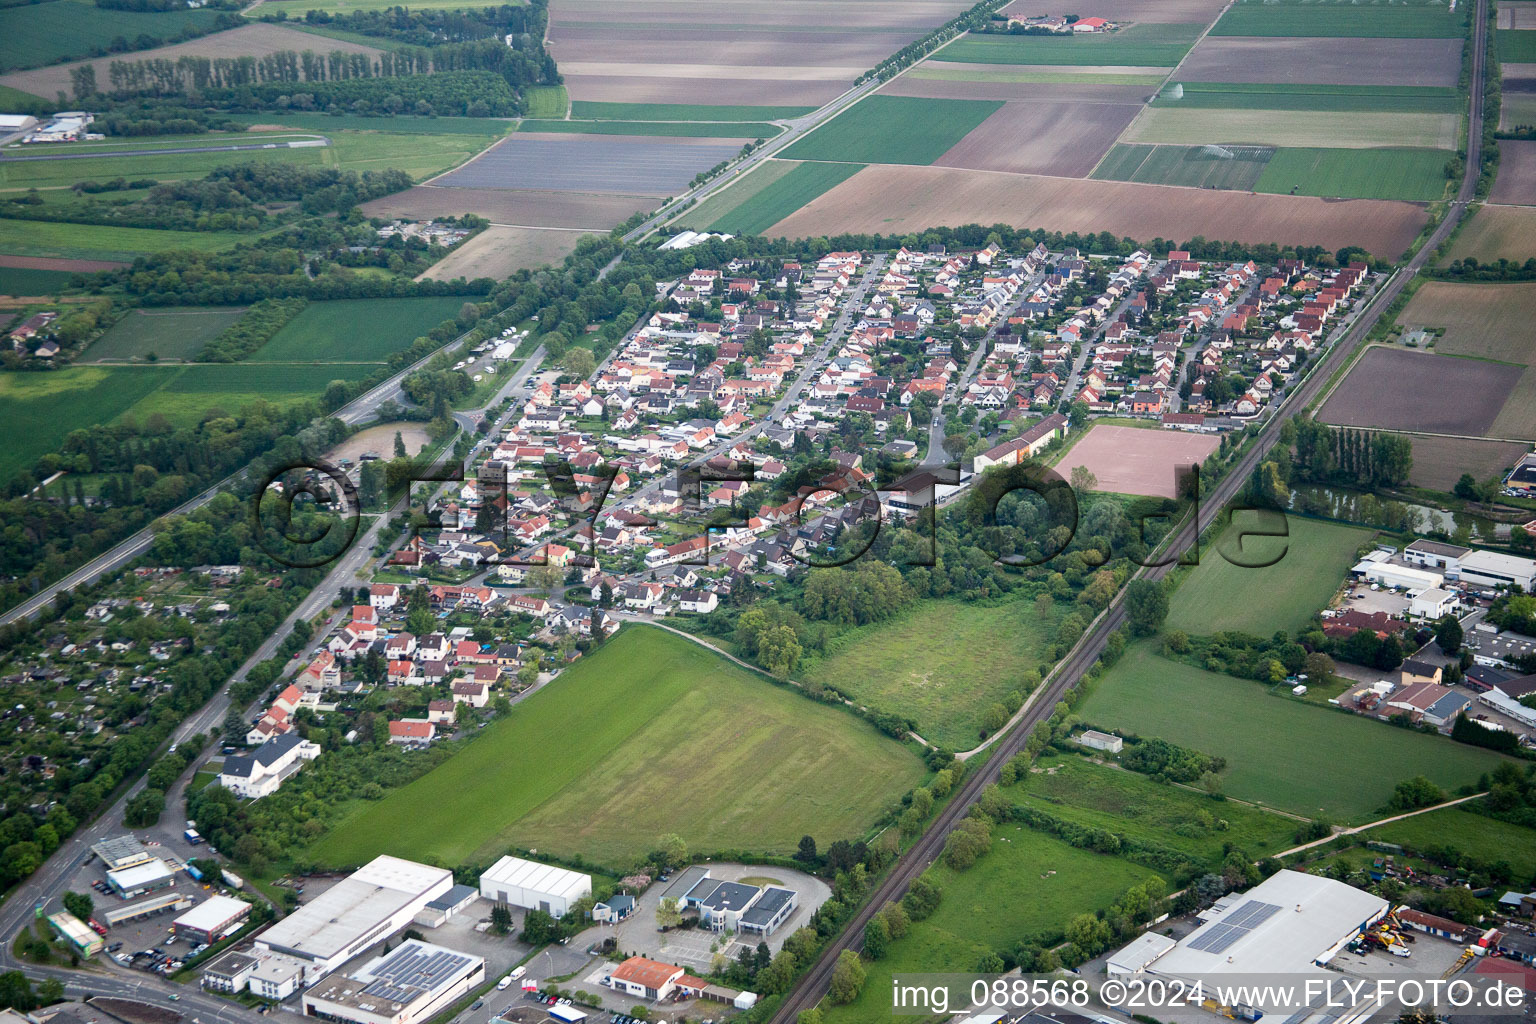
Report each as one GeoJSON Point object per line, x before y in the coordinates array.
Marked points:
{"type": "Point", "coordinates": [1374, 824]}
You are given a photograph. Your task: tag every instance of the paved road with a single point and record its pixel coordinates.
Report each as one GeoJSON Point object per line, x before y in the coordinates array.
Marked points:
{"type": "Point", "coordinates": [314, 142]}
{"type": "Point", "coordinates": [813, 985]}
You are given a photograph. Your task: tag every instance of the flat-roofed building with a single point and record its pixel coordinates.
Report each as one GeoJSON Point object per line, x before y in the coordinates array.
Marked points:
{"type": "Point", "coordinates": [75, 933]}
{"type": "Point", "coordinates": [411, 984]}
{"type": "Point", "coordinates": [229, 973]}
{"type": "Point", "coordinates": [366, 907]}
{"type": "Point", "coordinates": [120, 852]}
{"type": "Point", "coordinates": [150, 876]}
{"type": "Point", "coordinates": [212, 919]}
{"type": "Point", "coordinates": [771, 909]}
{"type": "Point", "coordinates": [534, 886]}
{"type": "Point", "coordinates": [1494, 569]}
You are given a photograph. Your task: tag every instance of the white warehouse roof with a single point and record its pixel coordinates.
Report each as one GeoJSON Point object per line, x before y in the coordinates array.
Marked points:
{"type": "Point", "coordinates": [212, 913]}
{"type": "Point", "coordinates": [541, 878]}
{"type": "Point", "coordinates": [137, 875]}
{"type": "Point", "coordinates": [360, 903]}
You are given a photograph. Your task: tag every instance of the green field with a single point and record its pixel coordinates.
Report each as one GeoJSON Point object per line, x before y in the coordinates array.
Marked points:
{"type": "Point", "coordinates": [27, 281]}
{"type": "Point", "coordinates": [682, 112]}
{"type": "Point", "coordinates": [769, 194]}
{"type": "Point", "coordinates": [1516, 46]}
{"type": "Point", "coordinates": [1280, 753]}
{"type": "Point", "coordinates": [299, 7]}
{"type": "Point", "coordinates": [744, 130]}
{"type": "Point", "coordinates": [42, 408]}
{"type": "Point", "coordinates": [1026, 75]}
{"type": "Point", "coordinates": [1484, 837]}
{"type": "Point", "coordinates": [546, 100]}
{"type": "Point", "coordinates": [893, 130]}
{"type": "Point", "coordinates": [98, 242]}
{"type": "Point", "coordinates": [1405, 99]}
{"type": "Point", "coordinates": [46, 33]}
{"type": "Point", "coordinates": [1132, 805]}
{"type": "Point", "coordinates": [172, 332]}
{"type": "Point", "coordinates": [399, 124]}
{"type": "Point", "coordinates": [1191, 166]}
{"type": "Point", "coordinates": [1217, 595]}
{"type": "Point", "coordinates": [1416, 175]}
{"type": "Point", "coordinates": [186, 397]}
{"type": "Point", "coordinates": [651, 735]}
{"type": "Point", "coordinates": [1378, 19]}
{"type": "Point", "coordinates": [1145, 45]}
{"type": "Point", "coordinates": [1028, 887]}
{"type": "Point", "coordinates": [355, 330]}
{"type": "Point", "coordinates": [940, 663]}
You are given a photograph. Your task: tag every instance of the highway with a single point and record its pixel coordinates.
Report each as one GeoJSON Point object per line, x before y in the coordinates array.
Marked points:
{"type": "Point", "coordinates": [813, 984]}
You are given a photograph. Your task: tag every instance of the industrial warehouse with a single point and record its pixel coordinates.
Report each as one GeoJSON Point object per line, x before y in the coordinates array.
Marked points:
{"type": "Point", "coordinates": [533, 886]}
{"type": "Point", "coordinates": [406, 986]}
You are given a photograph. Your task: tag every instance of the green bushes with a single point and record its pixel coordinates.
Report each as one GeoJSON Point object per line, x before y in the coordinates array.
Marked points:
{"type": "Point", "coordinates": [254, 329]}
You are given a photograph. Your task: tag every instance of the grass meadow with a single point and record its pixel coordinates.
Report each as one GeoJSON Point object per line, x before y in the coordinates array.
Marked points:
{"type": "Point", "coordinates": [770, 194]}
{"type": "Point", "coordinates": [169, 332]}
{"type": "Point", "coordinates": [1488, 838]}
{"type": "Point", "coordinates": [1144, 45]}
{"type": "Point", "coordinates": [1378, 19]}
{"type": "Point", "coordinates": [546, 100]}
{"type": "Point", "coordinates": [1311, 562]}
{"type": "Point", "coordinates": [32, 35]}
{"type": "Point", "coordinates": [30, 281]}
{"type": "Point", "coordinates": [355, 330]}
{"type": "Point", "coordinates": [42, 408]}
{"type": "Point", "coordinates": [1029, 886]}
{"type": "Point", "coordinates": [893, 130]}
{"type": "Point", "coordinates": [1280, 753]}
{"type": "Point", "coordinates": [681, 112]}
{"type": "Point", "coordinates": [651, 735]}
{"type": "Point", "coordinates": [103, 242]}
{"type": "Point", "coordinates": [941, 663]}
{"type": "Point", "coordinates": [1413, 174]}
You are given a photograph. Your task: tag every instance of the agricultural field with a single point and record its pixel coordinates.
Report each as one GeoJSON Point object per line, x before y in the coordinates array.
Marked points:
{"type": "Point", "coordinates": [1261, 738]}
{"type": "Point", "coordinates": [1411, 174]}
{"type": "Point", "coordinates": [997, 81]}
{"type": "Point", "coordinates": [166, 332]}
{"type": "Point", "coordinates": [1518, 103]}
{"type": "Point", "coordinates": [767, 195]}
{"type": "Point", "coordinates": [682, 112]}
{"type": "Point", "coordinates": [1407, 99]}
{"type": "Point", "coordinates": [940, 663]}
{"type": "Point", "coordinates": [297, 8]}
{"type": "Point", "coordinates": [186, 397]}
{"type": "Point", "coordinates": [1124, 802]}
{"type": "Point", "coordinates": [1308, 565]}
{"type": "Point", "coordinates": [732, 53]}
{"type": "Point", "coordinates": [1125, 11]}
{"type": "Point", "coordinates": [1194, 126]}
{"type": "Point", "coordinates": [546, 101]}
{"type": "Point", "coordinates": [1488, 321]}
{"type": "Point", "coordinates": [355, 330]}
{"type": "Point", "coordinates": [103, 242]}
{"type": "Point", "coordinates": [1422, 20]}
{"type": "Point", "coordinates": [571, 163]}
{"type": "Point", "coordinates": [743, 130]}
{"type": "Point", "coordinates": [898, 199]}
{"type": "Point", "coordinates": [629, 768]}
{"type": "Point", "coordinates": [1495, 233]}
{"type": "Point", "coordinates": [590, 211]}
{"type": "Point", "coordinates": [33, 281]}
{"type": "Point", "coordinates": [42, 408]}
{"type": "Point", "coordinates": [1516, 180]}
{"type": "Point", "coordinates": [1517, 46]}
{"type": "Point", "coordinates": [1043, 137]}
{"type": "Point", "coordinates": [498, 252]}
{"type": "Point", "coordinates": [41, 33]}
{"type": "Point", "coordinates": [1274, 60]}
{"type": "Point", "coordinates": [398, 124]}
{"type": "Point", "coordinates": [1131, 460]}
{"type": "Point", "coordinates": [1140, 45]}
{"type": "Point", "coordinates": [1236, 168]}
{"type": "Point", "coordinates": [1434, 394]}
{"type": "Point", "coordinates": [1488, 838]}
{"type": "Point", "coordinates": [1438, 462]}
{"type": "Point", "coordinates": [1041, 880]}
{"type": "Point", "coordinates": [863, 133]}
{"type": "Point", "coordinates": [245, 41]}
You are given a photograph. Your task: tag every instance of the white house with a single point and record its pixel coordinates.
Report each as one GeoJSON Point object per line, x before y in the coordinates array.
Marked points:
{"type": "Point", "coordinates": [264, 770]}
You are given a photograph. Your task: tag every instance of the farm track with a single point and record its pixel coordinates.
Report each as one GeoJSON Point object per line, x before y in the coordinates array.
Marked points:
{"type": "Point", "coordinates": [813, 985]}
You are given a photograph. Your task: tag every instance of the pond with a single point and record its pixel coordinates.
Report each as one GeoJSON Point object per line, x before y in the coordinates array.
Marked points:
{"type": "Point", "coordinates": [1362, 507]}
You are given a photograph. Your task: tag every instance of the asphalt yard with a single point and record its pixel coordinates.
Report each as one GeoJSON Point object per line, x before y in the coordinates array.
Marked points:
{"type": "Point", "coordinates": [622, 164]}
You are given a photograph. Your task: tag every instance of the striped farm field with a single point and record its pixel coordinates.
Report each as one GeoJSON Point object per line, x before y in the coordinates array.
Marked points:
{"type": "Point", "coordinates": [744, 130]}
{"type": "Point", "coordinates": [1166, 124]}
{"type": "Point", "coordinates": [758, 203]}
{"type": "Point", "coordinates": [1407, 99]}
{"type": "Point", "coordinates": [1370, 19]}
{"type": "Point", "coordinates": [1413, 174]}
{"type": "Point", "coordinates": [588, 110]}
{"type": "Point", "coordinates": [1143, 45]}
{"type": "Point", "coordinates": [864, 132]}
{"type": "Point", "coordinates": [355, 330]}
{"type": "Point", "coordinates": [1190, 166]}
{"type": "Point", "coordinates": [1496, 232]}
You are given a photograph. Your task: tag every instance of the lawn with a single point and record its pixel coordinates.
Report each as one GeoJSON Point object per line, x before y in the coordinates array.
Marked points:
{"type": "Point", "coordinates": [1406, 99]}
{"type": "Point", "coordinates": [1217, 595]}
{"type": "Point", "coordinates": [1028, 887]}
{"type": "Point", "coordinates": [651, 735]}
{"type": "Point", "coordinates": [42, 408]}
{"type": "Point", "coordinates": [744, 130]}
{"type": "Point", "coordinates": [167, 332]}
{"type": "Point", "coordinates": [99, 242]}
{"type": "Point", "coordinates": [768, 195]}
{"type": "Point", "coordinates": [940, 663]}
{"type": "Point", "coordinates": [28, 281]}
{"type": "Point", "coordinates": [356, 330]}
{"type": "Point", "coordinates": [546, 100]}
{"type": "Point", "coordinates": [1280, 752]}
{"type": "Point", "coordinates": [1191, 166]}
{"type": "Point", "coordinates": [47, 33]}
{"type": "Point", "coordinates": [1484, 837]}
{"type": "Point", "coordinates": [893, 130]}
{"type": "Point", "coordinates": [1412, 174]}
{"type": "Point", "coordinates": [1132, 805]}
{"type": "Point", "coordinates": [1381, 20]}
{"type": "Point", "coordinates": [682, 112]}
{"type": "Point", "coordinates": [1145, 45]}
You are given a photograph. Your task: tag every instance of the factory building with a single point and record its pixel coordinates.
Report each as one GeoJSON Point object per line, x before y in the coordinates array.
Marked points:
{"type": "Point", "coordinates": [407, 986]}
{"type": "Point", "coordinates": [534, 886]}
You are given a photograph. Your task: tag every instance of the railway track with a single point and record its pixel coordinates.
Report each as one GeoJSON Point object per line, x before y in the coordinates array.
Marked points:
{"type": "Point", "coordinates": [814, 983]}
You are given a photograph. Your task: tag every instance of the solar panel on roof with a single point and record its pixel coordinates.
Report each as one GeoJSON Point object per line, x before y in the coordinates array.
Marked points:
{"type": "Point", "coordinates": [1222, 944]}
{"type": "Point", "coordinates": [1205, 941]}
{"type": "Point", "coordinates": [1262, 912]}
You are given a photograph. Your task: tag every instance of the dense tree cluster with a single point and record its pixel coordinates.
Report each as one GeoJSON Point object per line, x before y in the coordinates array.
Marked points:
{"type": "Point", "coordinates": [1325, 454]}
{"type": "Point", "coordinates": [254, 329]}
{"type": "Point", "coordinates": [1163, 760]}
